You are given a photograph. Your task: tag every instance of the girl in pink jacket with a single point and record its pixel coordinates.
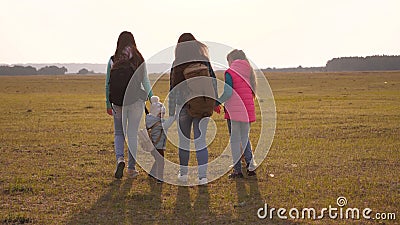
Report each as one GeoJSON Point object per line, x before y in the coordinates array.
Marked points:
{"type": "Point", "coordinates": [239, 92]}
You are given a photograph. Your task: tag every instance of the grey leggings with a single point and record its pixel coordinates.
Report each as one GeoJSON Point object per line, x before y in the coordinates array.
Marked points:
{"type": "Point", "coordinates": [239, 133]}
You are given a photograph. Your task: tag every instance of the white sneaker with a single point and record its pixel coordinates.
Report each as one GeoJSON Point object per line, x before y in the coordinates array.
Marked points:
{"type": "Point", "coordinates": [252, 165]}
{"type": "Point", "coordinates": [203, 181]}
{"type": "Point", "coordinates": [182, 178]}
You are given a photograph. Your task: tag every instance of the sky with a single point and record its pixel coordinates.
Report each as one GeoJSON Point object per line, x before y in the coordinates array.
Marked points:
{"type": "Point", "coordinates": [285, 33]}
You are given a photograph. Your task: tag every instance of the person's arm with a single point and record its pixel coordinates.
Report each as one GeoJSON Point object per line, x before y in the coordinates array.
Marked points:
{"type": "Point", "coordinates": [228, 89]}
{"type": "Point", "coordinates": [172, 95]}
{"type": "Point", "coordinates": [146, 83]}
{"type": "Point", "coordinates": [212, 74]}
{"type": "Point", "coordinates": [108, 103]}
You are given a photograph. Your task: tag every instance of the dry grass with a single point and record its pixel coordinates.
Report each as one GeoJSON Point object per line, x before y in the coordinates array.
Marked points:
{"type": "Point", "coordinates": [337, 135]}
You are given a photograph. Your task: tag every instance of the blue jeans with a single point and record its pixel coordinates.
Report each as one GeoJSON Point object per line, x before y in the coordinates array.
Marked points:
{"type": "Point", "coordinates": [130, 116]}
{"type": "Point", "coordinates": [185, 122]}
{"type": "Point", "coordinates": [239, 136]}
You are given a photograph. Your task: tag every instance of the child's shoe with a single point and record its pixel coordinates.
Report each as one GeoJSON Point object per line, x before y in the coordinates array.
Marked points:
{"type": "Point", "coordinates": [132, 173]}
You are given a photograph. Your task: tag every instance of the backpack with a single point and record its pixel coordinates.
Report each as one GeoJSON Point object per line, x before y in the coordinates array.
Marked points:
{"type": "Point", "coordinates": [120, 77]}
{"type": "Point", "coordinates": [200, 90]}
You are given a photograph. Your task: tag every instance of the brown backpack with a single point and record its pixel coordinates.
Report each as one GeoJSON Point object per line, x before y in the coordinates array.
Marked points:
{"type": "Point", "coordinates": [201, 93]}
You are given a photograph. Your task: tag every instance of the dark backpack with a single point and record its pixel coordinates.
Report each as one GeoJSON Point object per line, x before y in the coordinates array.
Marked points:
{"type": "Point", "coordinates": [120, 76]}
{"type": "Point", "coordinates": [201, 93]}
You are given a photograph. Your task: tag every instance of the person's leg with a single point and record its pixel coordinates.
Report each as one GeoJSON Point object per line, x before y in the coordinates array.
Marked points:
{"type": "Point", "coordinates": [184, 128]}
{"type": "Point", "coordinates": [200, 131]}
{"type": "Point", "coordinates": [248, 153]}
{"type": "Point", "coordinates": [119, 141]}
{"type": "Point", "coordinates": [153, 171]}
{"type": "Point", "coordinates": [244, 139]}
{"type": "Point", "coordinates": [235, 140]}
{"type": "Point", "coordinates": [133, 114]}
{"type": "Point", "coordinates": [160, 164]}
{"type": "Point", "coordinates": [228, 122]}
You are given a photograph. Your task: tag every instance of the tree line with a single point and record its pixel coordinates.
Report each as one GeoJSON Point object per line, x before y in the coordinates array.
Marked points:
{"type": "Point", "coordinates": [29, 70]}
{"type": "Point", "coordinates": [369, 63]}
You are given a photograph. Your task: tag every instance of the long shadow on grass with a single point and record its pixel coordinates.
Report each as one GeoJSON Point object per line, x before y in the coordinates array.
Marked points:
{"type": "Point", "coordinates": [198, 213]}
{"type": "Point", "coordinates": [249, 201]}
{"type": "Point", "coordinates": [108, 207]}
{"type": "Point", "coordinates": [121, 206]}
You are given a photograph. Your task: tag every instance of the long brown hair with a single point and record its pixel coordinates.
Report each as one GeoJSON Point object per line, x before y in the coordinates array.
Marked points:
{"type": "Point", "coordinates": [126, 39]}
{"type": "Point", "coordinates": [239, 54]}
{"type": "Point", "coordinates": [188, 49]}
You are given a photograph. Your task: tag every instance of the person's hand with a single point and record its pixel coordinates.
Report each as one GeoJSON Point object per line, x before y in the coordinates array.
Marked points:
{"type": "Point", "coordinates": [217, 109]}
{"type": "Point", "coordinates": [109, 111]}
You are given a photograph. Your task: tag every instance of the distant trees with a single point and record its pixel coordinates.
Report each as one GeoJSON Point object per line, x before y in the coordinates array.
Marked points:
{"type": "Point", "coordinates": [52, 70]}
{"type": "Point", "coordinates": [29, 70]}
{"type": "Point", "coordinates": [17, 70]}
{"type": "Point", "coordinates": [369, 63]}
{"type": "Point", "coordinates": [85, 71]}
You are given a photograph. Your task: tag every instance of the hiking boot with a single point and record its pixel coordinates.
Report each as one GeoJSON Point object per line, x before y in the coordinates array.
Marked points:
{"type": "Point", "coordinates": [119, 171]}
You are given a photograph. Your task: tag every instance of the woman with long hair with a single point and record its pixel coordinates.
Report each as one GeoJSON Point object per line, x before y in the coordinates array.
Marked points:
{"type": "Point", "coordinates": [188, 52]}
{"type": "Point", "coordinates": [129, 113]}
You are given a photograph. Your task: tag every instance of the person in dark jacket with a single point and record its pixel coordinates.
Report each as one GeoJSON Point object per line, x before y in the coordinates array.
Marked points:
{"type": "Point", "coordinates": [187, 52]}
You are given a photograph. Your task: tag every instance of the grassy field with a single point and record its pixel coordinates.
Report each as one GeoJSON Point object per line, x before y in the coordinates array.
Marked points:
{"type": "Point", "coordinates": [337, 135]}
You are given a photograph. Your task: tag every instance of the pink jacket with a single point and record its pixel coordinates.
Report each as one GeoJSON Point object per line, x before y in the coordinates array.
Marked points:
{"type": "Point", "coordinates": [240, 106]}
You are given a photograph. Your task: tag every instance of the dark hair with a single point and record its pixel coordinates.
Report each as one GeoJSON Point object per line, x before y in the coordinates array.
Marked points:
{"type": "Point", "coordinates": [188, 49]}
{"type": "Point", "coordinates": [240, 55]}
{"type": "Point", "coordinates": [126, 39]}
{"type": "Point", "coordinates": [186, 37]}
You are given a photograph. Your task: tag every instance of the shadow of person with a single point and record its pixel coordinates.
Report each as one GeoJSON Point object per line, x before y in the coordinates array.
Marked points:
{"type": "Point", "coordinates": [250, 201]}
{"type": "Point", "coordinates": [201, 207]}
{"type": "Point", "coordinates": [183, 208]}
{"type": "Point", "coordinates": [109, 207]}
{"type": "Point", "coordinates": [144, 206]}
{"type": "Point", "coordinates": [197, 213]}
{"type": "Point", "coordinates": [156, 193]}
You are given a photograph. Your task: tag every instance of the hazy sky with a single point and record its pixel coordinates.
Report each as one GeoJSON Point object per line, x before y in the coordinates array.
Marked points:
{"type": "Point", "coordinates": [285, 33]}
